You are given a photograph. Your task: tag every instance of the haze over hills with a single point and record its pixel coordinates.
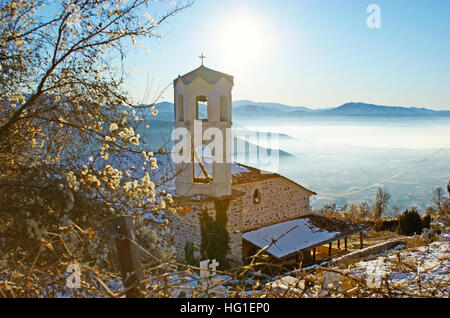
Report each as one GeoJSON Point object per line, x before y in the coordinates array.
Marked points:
{"type": "Point", "coordinates": [244, 108]}
{"type": "Point", "coordinates": [338, 150]}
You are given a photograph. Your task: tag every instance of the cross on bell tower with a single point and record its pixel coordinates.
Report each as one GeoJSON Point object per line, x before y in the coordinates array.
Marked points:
{"type": "Point", "coordinates": [202, 57]}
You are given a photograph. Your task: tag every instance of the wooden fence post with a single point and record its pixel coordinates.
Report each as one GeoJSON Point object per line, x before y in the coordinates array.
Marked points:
{"type": "Point", "coordinates": [130, 262]}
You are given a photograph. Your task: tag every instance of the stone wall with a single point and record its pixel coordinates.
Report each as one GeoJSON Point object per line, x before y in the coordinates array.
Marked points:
{"type": "Point", "coordinates": [234, 231]}
{"type": "Point", "coordinates": [187, 229]}
{"type": "Point", "coordinates": [370, 250]}
{"type": "Point", "coordinates": [280, 200]}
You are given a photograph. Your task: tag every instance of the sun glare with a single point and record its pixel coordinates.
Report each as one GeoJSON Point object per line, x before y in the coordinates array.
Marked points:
{"type": "Point", "coordinates": [243, 42]}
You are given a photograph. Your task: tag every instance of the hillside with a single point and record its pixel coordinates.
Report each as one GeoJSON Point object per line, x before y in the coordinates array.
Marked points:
{"type": "Point", "coordinates": [244, 108]}
{"type": "Point", "coordinates": [362, 109]}
{"type": "Point", "coordinates": [248, 108]}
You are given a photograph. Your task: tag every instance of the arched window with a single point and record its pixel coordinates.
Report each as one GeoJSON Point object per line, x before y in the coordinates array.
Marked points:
{"type": "Point", "coordinates": [224, 108]}
{"type": "Point", "coordinates": [256, 197]}
{"type": "Point", "coordinates": [201, 111]}
{"type": "Point", "coordinates": [180, 108]}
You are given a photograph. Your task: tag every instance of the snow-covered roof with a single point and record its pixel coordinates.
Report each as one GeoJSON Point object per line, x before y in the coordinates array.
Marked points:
{"type": "Point", "coordinates": [298, 235]}
{"type": "Point", "coordinates": [209, 75]}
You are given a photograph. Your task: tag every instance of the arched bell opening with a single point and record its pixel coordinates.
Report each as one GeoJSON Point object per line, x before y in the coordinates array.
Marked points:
{"type": "Point", "coordinates": [201, 108]}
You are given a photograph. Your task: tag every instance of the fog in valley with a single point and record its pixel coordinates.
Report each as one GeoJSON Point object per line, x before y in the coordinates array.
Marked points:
{"type": "Point", "coordinates": [334, 156]}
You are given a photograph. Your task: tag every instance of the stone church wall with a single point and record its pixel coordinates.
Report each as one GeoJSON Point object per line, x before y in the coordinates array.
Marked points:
{"type": "Point", "coordinates": [234, 231]}
{"type": "Point", "coordinates": [187, 229]}
{"type": "Point", "coordinates": [279, 200]}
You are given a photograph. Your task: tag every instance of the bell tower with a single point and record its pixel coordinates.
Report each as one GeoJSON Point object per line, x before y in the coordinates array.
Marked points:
{"type": "Point", "coordinates": [209, 129]}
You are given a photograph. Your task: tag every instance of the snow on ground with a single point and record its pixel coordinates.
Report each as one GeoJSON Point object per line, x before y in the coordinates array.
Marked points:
{"type": "Point", "coordinates": [416, 269]}
{"type": "Point", "coordinates": [186, 285]}
{"type": "Point", "coordinates": [445, 237]}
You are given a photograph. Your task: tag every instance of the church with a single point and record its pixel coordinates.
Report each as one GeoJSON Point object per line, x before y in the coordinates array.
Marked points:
{"type": "Point", "coordinates": [231, 209]}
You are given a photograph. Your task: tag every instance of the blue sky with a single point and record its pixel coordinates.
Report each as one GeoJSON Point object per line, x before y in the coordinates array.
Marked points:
{"type": "Point", "coordinates": [315, 53]}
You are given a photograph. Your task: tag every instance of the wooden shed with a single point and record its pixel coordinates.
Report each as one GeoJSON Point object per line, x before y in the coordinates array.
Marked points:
{"type": "Point", "coordinates": [295, 241]}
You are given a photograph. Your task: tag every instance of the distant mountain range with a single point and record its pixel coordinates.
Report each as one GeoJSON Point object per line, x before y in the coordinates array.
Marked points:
{"type": "Point", "coordinates": [249, 108]}
{"type": "Point", "coordinates": [244, 108]}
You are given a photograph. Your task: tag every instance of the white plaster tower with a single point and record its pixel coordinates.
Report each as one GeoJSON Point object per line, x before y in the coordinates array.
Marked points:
{"type": "Point", "coordinates": [204, 85]}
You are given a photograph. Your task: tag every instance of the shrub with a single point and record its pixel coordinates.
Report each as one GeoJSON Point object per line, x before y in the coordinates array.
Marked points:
{"type": "Point", "coordinates": [385, 225]}
{"type": "Point", "coordinates": [409, 223]}
{"type": "Point", "coordinates": [426, 221]}
{"type": "Point", "coordinates": [215, 235]}
{"type": "Point", "coordinates": [378, 225]}
{"type": "Point", "coordinates": [189, 257]}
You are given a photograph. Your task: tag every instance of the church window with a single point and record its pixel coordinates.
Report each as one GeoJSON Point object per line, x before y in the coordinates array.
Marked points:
{"type": "Point", "coordinates": [201, 111]}
{"type": "Point", "coordinates": [256, 197]}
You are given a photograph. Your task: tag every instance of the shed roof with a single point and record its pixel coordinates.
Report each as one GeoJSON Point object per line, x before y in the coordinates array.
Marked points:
{"type": "Point", "coordinates": [209, 75]}
{"type": "Point", "coordinates": [301, 234]}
